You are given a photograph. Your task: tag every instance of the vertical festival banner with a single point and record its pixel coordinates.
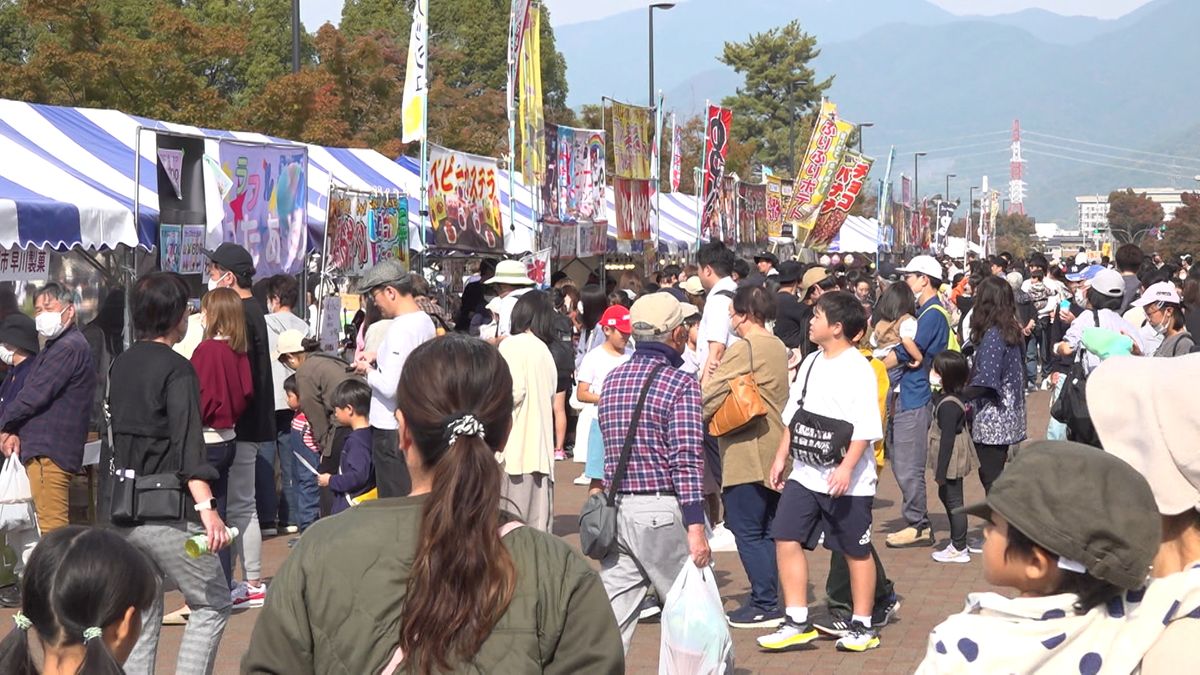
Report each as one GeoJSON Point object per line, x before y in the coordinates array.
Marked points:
{"type": "Point", "coordinates": [843, 192]}
{"type": "Point", "coordinates": [416, 84]}
{"type": "Point", "coordinates": [265, 212]}
{"type": "Point", "coordinates": [905, 191]}
{"type": "Point", "coordinates": [773, 196]}
{"type": "Point", "coordinates": [464, 202]}
{"type": "Point", "coordinates": [633, 137]}
{"type": "Point", "coordinates": [676, 155]}
{"type": "Point", "coordinates": [547, 193]}
{"type": "Point", "coordinates": [579, 169]}
{"type": "Point", "coordinates": [632, 207]}
{"type": "Point", "coordinates": [716, 145]}
{"type": "Point", "coordinates": [753, 214]}
{"type": "Point", "coordinates": [729, 211]}
{"type": "Point", "coordinates": [824, 154]}
{"type": "Point", "coordinates": [532, 116]}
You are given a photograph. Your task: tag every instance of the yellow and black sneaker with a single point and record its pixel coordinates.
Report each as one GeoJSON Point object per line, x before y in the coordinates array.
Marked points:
{"type": "Point", "coordinates": [858, 639]}
{"type": "Point", "coordinates": [789, 635]}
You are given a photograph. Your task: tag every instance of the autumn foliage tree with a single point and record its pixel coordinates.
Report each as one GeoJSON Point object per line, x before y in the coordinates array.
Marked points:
{"type": "Point", "coordinates": [1183, 230]}
{"type": "Point", "coordinates": [1014, 234]}
{"type": "Point", "coordinates": [1130, 214]}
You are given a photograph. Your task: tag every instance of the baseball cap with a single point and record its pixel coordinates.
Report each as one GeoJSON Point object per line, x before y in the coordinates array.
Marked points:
{"type": "Point", "coordinates": [233, 258]}
{"type": "Point", "coordinates": [655, 315]}
{"type": "Point", "coordinates": [692, 286]}
{"type": "Point", "coordinates": [1163, 291]}
{"type": "Point", "coordinates": [290, 341]}
{"type": "Point", "coordinates": [1088, 507]}
{"type": "Point", "coordinates": [1108, 282]}
{"type": "Point", "coordinates": [789, 272]}
{"type": "Point", "coordinates": [689, 310]}
{"type": "Point", "coordinates": [812, 277]}
{"type": "Point", "coordinates": [18, 330]}
{"type": "Point", "coordinates": [382, 273]}
{"type": "Point", "coordinates": [1148, 420]}
{"type": "Point", "coordinates": [924, 264]}
{"type": "Point", "coordinates": [617, 317]}
{"type": "Point", "coordinates": [1085, 273]}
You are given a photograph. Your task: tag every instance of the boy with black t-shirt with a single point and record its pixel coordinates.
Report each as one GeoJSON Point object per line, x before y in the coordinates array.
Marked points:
{"type": "Point", "coordinates": [833, 417]}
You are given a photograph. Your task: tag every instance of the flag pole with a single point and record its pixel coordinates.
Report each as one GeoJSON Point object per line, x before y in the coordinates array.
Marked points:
{"type": "Point", "coordinates": [512, 125]}
{"type": "Point", "coordinates": [424, 212]}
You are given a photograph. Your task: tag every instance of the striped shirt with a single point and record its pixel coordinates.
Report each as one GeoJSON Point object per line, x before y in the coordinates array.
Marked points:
{"type": "Point", "coordinates": [668, 453]}
{"type": "Point", "coordinates": [301, 426]}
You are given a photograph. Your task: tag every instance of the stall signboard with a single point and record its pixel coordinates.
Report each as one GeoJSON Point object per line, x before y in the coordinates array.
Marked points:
{"type": "Point", "coordinates": [464, 202]}
{"type": "Point", "coordinates": [24, 264]}
{"type": "Point", "coordinates": [265, 211]}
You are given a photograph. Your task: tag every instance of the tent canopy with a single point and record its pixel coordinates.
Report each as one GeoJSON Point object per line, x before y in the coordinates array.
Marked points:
{"type": "Point", "coordinates": [858, 235]}
{"type": "Point", "coordinates": [67, 176]}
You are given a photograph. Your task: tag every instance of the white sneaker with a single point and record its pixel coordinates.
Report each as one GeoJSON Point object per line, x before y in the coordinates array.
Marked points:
{"type": "Point", "coordinates": [951, 555]}
{"type": "Point", "coordinates": [722, 539]}
{"type": "Point", "coordinates": [582, 480]}
{"type": "Point", "coordinates": [244, 595]}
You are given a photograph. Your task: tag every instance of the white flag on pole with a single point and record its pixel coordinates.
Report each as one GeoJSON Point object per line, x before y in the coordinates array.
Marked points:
{"type": "Point", "coordinates": [416, 82]}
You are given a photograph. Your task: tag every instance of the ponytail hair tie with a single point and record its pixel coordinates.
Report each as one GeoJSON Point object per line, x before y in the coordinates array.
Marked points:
{"type": "Point", "coordinates": [466, 425]}
{"type": "Point", "coordinates": [92, 632]}
{"type": "Point", "coordinates": [22, 621]}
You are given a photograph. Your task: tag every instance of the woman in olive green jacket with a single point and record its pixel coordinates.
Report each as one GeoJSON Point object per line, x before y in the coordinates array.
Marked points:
{"type": "Point", "coordinates": [747, 453]}
{"type": "Point", "coordinates": [440, 580]}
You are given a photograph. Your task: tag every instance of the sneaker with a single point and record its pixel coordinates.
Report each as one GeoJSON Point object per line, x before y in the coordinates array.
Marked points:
{"type": "Point", "coordinates": [246, 596]}
{"type": "Point", "coordinates": [290, 529]}
{"type": "Point", "coordinates": [974, 545]}
{"type": "Point", "coordinates": [268, 531]}
{"type": "Point", "coordinates": [884, 614]}
{"type": "Point", "coordinates": [860, 639]}
{"type": "Point", "coordinates": [649, 612]}
{"type": "Point", "coordinates": [752, 616]}
{"type": "Point", "coordinates": [560, 455]}
{"type": "Point", "coordinates": [834, 623]}
{"type": "Point", "coordinates": [952, 555]}
{"type": "Point", "coordinates": [583, 480]}
{"type": "Point", "coordinates": [722, 539]}
{"type": "Point", "coordinates": [910, 537]}
{"type": "Point", "coordinates": [790, 634]}
{"type": "Point", "coordinates": [177, 618]}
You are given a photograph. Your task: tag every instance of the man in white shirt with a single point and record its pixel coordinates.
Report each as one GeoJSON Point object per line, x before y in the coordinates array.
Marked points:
{"type": "Point", "coordinates": [390, 287]}
{"type": "Point", "coordinates": [716, 266]}
{"type": "Point", "coordinates": [510, 282]}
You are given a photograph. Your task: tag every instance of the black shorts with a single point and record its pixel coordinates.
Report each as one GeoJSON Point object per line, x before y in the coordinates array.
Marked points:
{"type": "Point", "coordinates": [804, 515]}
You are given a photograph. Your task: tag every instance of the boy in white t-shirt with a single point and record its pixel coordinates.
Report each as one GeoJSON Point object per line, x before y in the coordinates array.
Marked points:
{"type": "Point", "coordinates": [596, 366]}
{"type": "Point", "coordinates": [832, 412]}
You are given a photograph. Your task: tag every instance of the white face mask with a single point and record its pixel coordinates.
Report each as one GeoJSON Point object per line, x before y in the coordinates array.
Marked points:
{"type": "Point", "coordinates": [214, 284]}
{"type": "Point", "coordinates": [49, 324]}
{"type": "Point", "coordinates": [6, 355]}
{"type": "Point", "coordinates": [1081, 297]}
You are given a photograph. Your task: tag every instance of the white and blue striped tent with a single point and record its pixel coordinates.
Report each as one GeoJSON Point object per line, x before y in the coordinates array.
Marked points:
{"type": "Point", "coordinates": [67, 177]}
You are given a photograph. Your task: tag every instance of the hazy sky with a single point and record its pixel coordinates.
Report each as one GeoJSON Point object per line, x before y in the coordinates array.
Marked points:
{"type": "Point", "coordinates": [316, 12]}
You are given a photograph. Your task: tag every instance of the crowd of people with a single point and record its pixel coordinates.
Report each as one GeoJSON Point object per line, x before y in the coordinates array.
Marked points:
{"type": "Point", "coordinates": [724, 405]}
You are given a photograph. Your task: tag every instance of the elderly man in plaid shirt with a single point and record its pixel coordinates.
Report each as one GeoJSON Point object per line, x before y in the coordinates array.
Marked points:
{"type": "Point", "coordinates": [660, 521]}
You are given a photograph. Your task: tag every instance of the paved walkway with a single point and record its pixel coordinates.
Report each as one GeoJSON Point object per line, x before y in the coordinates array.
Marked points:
{"type": "Point", "coordinates": [929, 591]}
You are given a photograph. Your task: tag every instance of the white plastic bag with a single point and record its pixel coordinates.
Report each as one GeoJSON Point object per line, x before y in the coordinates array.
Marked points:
{"type": "Point", "coordinates": [16, 500]}
{"type": "Point", "coordinates": [695, 633]}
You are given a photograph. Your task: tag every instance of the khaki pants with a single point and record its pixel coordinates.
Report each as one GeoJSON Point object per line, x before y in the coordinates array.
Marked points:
{"type": "Point", "coordinates": [51, 488]}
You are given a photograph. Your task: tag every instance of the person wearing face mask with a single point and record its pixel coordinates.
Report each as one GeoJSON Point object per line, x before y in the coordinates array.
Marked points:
{"type": "Point", "coordinates": [46, 422]}
{"type": "Point", "coordinates": [1165, 314]}
{"type": "Point", "coordinates": [231, 266]}
{"type": "Point", "coordinates": [283, 292]}
{"type": "Point", "coordinates": [18, 346]}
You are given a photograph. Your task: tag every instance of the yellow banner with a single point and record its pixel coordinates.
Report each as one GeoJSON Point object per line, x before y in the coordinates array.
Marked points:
{"type": "Point", "coordinates": [416, 84]}
{"type": "Point", "coordinates": [774, 207]}
{"type": "Point", "coordinates": [532, 121]}
{"type": "Point", "coordinates": [825, 150]}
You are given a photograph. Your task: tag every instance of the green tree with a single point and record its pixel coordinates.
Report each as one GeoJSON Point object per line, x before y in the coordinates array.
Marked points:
{"type": "Point", "coordinates": [777, 105]}
{"type": "Point", "coordinates": [1183, 230]}
{"type": "Point", "coordinates": [1130, 214]}
{"type": "Point", "coordinates": [1014, 234]}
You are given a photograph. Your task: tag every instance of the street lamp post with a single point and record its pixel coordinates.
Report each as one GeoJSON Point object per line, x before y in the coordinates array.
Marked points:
{"type": "Point", "coordinates": [295, 36]}
{"type": "Point", "coordinates": [970, 221]}
{"type": "Point", "coordinates": [650, 12]}
{"type": "Point", "coordinates": [917, 187]}
{"type": "Point", "coordinates": [864, 125]}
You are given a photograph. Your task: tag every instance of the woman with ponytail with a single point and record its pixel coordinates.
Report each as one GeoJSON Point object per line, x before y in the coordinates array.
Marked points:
{"type": "Point", "coordinates": [83, 596]}
{"type": "Point", "coordinates": [441, 580]}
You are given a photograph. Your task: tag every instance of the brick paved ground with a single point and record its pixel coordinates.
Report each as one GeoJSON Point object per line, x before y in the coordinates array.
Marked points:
{"type": "Point", "coordinates": [929, 591]}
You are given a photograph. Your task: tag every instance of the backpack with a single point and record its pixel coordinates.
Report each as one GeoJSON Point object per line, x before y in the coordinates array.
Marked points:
{"type": "Point", "coordinates": [951, 341]}
{"type": "Point", "coordinates": [1071, 407]}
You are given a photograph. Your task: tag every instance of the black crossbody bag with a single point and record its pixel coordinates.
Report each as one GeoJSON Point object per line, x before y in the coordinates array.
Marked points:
{"type": "Point", "coordinates": [135, 500]}
{"type": "Point", "coordinates": [818, 440]}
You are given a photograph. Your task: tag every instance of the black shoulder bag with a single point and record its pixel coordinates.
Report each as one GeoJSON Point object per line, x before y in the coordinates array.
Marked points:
{"type": "Point", "coordinates": [1071, 408]}
{"type": "Point", "coordinates": [818, 440]}
{"type": "Point", "coordinates": [135, 499]}
{"type": "Point", "coordinates": [598, 517]}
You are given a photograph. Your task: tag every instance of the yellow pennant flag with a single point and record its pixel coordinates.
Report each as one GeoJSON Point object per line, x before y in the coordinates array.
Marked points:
{"type": "Point", "coordinates": [416, 81]}
{"type": "Point", "coordinates": [532, 121]}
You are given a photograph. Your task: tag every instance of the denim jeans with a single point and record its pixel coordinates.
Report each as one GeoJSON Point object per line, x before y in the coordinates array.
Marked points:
{"type": "Point", "coordinates": [304, 480]}
{"type": "Point", "coordinates": [749, 510]}
{"type": "Point", "coordinates": [220, 457]}
{"type": "Point", "coordinates": [274, 507]}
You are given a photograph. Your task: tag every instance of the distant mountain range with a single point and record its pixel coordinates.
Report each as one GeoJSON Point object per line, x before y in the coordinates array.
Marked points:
{"type": "Point", "coordinates": [949, 85]}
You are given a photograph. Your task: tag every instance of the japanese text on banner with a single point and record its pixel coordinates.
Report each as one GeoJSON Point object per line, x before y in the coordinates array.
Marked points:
{"type": "Point", "coordinates": [24, 264]}
{"type": "Point", "coordinates": [716, 145]}
{"type": "Point", "coordinates": [847, 183]}
{"type": "Point", "coordinates": [633, 137]}
{"type": "Point", "coordinates": [825, 150]}
{"type": "Point", "coordinates": [774, 206]}
{"type": "Point", "coordinates": [265, 210]}
{"type": "Point", "coordinates": [464, 202]}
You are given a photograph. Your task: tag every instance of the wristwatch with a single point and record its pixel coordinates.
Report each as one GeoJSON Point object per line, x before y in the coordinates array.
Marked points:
{"type": "Point", "coordinates": [206, 505]}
